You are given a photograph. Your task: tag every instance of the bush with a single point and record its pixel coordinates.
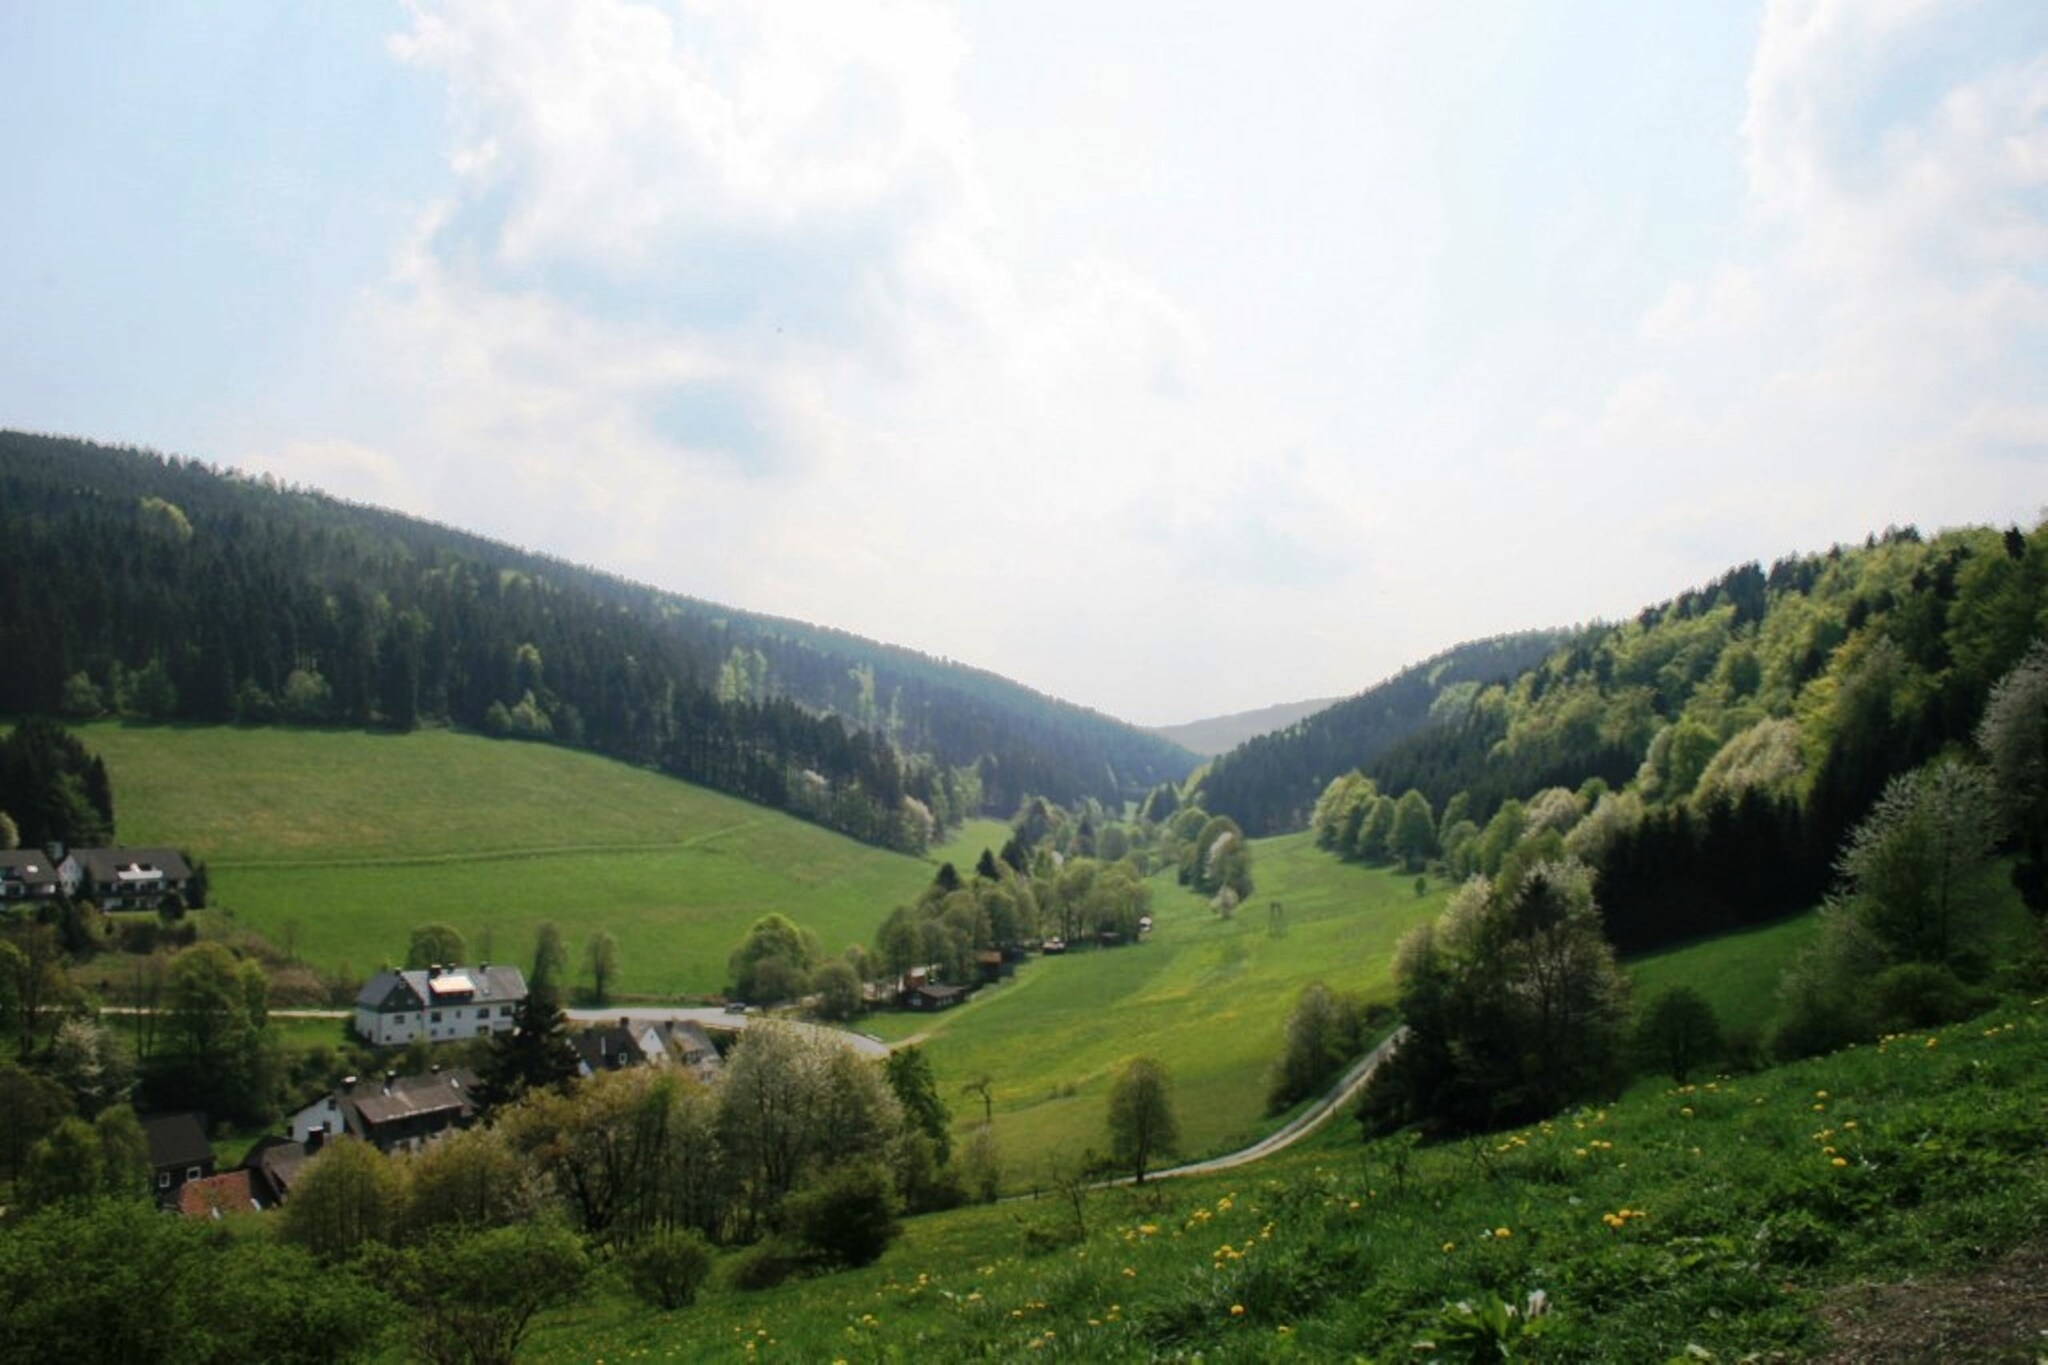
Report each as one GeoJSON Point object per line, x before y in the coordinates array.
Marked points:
{"type": "Point", "coordinates": [846, 1217]}
{"type": "Point", "coordinates": [1678, 1033]}
{"type": "Point", "coordinates": [764, 1265]}
{"type": "Point", "coordinates": [665, 1269]}
{"type": "Point", "coordinates": [1923, 995]}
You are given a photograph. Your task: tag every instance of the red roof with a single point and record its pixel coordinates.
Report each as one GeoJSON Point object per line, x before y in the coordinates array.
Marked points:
{"type": "Point", "coordinates": [216, 1195]}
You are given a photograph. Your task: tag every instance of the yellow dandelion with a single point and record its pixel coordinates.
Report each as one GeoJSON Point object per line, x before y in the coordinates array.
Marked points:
{"type": "Point", "coordinates": [1502, 1232]}
{"type": "Point", "coordinates": [1237, 1310]}
{"type": "Point", "coordinates": [1450, 1247]}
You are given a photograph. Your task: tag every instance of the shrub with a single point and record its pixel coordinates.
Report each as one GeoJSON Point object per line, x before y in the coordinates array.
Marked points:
{"type": "Point", "coordinates": [665, 1269]}
{"type": "Point", "coordinates": [846, 1217]}
{"type": "Point", "coordinates": [764, 1265]}
{"type": "Point", "coordinates": [1924, 995]}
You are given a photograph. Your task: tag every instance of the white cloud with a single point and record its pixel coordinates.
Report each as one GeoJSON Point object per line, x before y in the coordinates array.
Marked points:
{"type": "Point", "coordinates": [718, 294]}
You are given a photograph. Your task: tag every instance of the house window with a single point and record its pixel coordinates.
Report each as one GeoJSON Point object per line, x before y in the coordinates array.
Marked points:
{"type": "Point", "coordinates": [437, 1016]}
{"type": "Point", "coordinates": [163, 1180]}
{"type": "Point", "coordinates": [504, 1011]}
{"type": "Point", "coordinates": [191, 1172]}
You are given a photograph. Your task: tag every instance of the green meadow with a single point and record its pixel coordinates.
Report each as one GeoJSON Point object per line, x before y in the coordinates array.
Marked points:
{"type": "Point", "coordinates": [340, 842]}
{"type": "Point", "coordinates": [1206, 996]}
{"type": "Point", "coordinates": [1737, 973]}
{"type": "Point", "coordinates": [1882, 1197]}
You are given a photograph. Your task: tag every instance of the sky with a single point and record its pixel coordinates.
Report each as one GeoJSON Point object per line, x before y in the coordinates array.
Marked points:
{"type": "Point", "coordinates": [1175, 359]}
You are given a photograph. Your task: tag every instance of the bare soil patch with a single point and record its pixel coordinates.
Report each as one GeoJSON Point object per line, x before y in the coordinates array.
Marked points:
{"type": "Point", "coordinates": [1998, 1313]}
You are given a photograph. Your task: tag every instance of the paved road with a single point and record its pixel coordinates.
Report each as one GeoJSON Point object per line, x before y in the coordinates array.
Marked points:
{"type": "Point", "coordinates": [1301, 1125]}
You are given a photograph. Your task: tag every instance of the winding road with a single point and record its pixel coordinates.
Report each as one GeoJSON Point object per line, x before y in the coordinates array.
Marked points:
{"type": "Point", "coordinates": [1300, 1126]}
{"type": "Point", "coordinates": [711, 1016]}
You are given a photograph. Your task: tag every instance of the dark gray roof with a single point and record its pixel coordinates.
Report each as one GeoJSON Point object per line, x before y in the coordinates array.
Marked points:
{"type": "Point", "coordinates": [607, 1047]}
{"type": "Point", "coordinates": [374, 1102]}
{"type": "Point", "coordinates": [107, 864]}
{"type": "Point", "coordinates": [177, 1140]}
{"type": "Point", "coordinates": [485, 984]}
{"type": "Point", "coordinates": [29, 866]}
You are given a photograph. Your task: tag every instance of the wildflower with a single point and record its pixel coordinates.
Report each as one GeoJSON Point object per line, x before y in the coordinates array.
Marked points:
{"type": "Point", "coordinates": [1237, 1310]}
{"type": "Point", "coordinates": [1685, 1112]}
{"type": "Point", "coordinates": [1502, 1232]}
{"type": "Point", "coordinates": [1841, 1161]}
{"type": "Point", "coordinates": [1129, 1273]}
{"type": "Point", "coordinates": [1450, 1247]}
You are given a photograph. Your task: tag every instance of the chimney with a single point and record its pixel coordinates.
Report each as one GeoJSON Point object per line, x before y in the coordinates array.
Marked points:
{"type": "Point", "coordinates": [348, 1084]}
{"type": "Point", "coordinates": [316, 1139]}
{"type": "Point", "coordinates": [433, 970]}
{"type": "Point", "coordinates": [389, 1077]}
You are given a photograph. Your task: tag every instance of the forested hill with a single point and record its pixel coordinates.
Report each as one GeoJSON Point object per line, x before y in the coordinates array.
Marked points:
{"type": "Point", "coordinates": [162, 588]}
{"type": "Point", "coordinates": [1708, 757]}
{"type": "Point", "coordinates": [1269, 783]}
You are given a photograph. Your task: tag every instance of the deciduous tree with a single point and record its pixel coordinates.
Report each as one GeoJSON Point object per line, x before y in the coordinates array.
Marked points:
{"type": "Point", "coordinates": [1142, 1123]}
{"type": "Point", "coordinates": [435, 945]}
{"type": "Point", "coordinates": [602, 955]}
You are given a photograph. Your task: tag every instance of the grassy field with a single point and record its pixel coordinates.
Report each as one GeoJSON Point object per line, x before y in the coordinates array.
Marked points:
{"type": "Point", "coordinates": [341, 842]}
{"type": "Point", "coordinates": [1207, 997]}
{"type": "Point", "coordinates": [1888, 1194]}
{"type": "Point", "coordinates": [1737, 973]}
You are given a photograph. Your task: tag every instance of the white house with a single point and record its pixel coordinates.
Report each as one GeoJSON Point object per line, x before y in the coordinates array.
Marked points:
{"type": "Point", "coordinates": [440, 1004]}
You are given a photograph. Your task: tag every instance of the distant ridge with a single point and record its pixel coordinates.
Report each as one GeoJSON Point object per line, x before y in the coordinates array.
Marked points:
{"type": "Point", "coordinates": [1269, 782]}
{"type": "Point", "coordinates": [1220, 734]}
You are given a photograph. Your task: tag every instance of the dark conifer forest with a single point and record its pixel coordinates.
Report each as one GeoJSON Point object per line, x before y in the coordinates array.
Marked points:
{"type": "Point", "coordinates": [1270, 783]}
{"type": "Point", "coordinates": [163, 589]}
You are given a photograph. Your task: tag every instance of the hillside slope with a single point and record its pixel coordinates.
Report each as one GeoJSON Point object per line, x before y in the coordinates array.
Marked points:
{"type": "Point", "coordinates": [161, 588]}
{"type": "Point", "coordinates": [338, 843]}
{"type": "Point", "coordinates": [1709, 756]}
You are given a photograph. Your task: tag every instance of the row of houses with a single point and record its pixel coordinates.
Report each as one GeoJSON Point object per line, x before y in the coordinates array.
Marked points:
{"type": "Point", "coordinates": [111, 878]}
{"type": "Point", "coordinates": [392, 1113]}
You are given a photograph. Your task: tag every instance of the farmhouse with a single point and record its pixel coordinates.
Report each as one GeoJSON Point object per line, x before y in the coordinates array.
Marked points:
{"type": "Point", "coordinates": [393, 1114]}
{"type": "Point", "coordinates": [925, 996]}
{"type": "Point", "coordinates": [27, 874]}
{"type": "Point", "coordinates": [439, 1004]}
{"type": "Point", "coordinates": [644, 1042]}
{"type": "Point", "coordinates": [179, 1151]}
{"type": "Point", "coordinates": [612, 1047]}
{"type": "Point", "coordinates": [124, 878]}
